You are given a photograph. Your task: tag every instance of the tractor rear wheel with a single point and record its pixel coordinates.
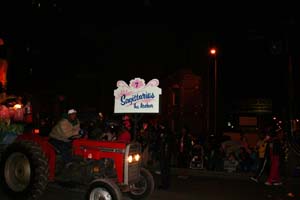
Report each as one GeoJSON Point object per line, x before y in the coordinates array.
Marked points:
{"type": "Point", "coordinates": [103, 189]}
{"type": "Point", "coordinates": [24, 170]}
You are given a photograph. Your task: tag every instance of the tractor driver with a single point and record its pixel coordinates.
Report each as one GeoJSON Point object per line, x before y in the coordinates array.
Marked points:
{"type": "Point", "coordinates": [63, 132]}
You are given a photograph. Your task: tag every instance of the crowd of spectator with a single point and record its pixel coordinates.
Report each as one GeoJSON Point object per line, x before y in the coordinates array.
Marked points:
{"type": "Point", "coordinates": [183, 150]}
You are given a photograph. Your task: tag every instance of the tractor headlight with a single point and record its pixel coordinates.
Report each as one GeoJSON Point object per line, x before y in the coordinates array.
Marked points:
{"type": "Point", "coordinates": [133, 158]}
{"type": "Point", "coordinates": [130, 159]}
{"type": "Point", "coordinates": [137, 157]}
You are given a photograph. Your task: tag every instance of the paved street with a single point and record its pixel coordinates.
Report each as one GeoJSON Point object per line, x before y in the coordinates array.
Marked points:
{"type": "Point", "coordinates": [201, 188]}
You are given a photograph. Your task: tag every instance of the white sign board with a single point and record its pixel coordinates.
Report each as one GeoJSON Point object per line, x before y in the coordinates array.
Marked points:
{"type": "Point", "coordinates": [137, 97]}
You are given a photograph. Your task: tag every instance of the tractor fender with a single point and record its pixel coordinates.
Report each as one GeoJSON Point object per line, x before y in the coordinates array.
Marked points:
{"type": "Point", "coordinates": [46, 147]}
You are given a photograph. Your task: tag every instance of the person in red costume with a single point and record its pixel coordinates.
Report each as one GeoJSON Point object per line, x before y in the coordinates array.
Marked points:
{"type": "Point", "coordinates": [124, 135]}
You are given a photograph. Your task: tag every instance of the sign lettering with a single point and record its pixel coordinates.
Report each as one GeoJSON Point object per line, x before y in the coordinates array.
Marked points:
{"type": "Point", "coordinates": [137, 97]}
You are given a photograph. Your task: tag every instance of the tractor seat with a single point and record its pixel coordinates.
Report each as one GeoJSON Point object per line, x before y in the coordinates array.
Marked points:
{"type": "Point", "coordinates": [57, 151]}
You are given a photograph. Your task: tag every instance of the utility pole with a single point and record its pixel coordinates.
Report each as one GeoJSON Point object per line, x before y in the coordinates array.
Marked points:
{"type": "Point", "coordinates": [213, 53]}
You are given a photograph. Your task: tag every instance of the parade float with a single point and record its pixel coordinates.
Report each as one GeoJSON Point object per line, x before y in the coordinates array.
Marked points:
{"type": "Point", "coordinates": [11, 119]}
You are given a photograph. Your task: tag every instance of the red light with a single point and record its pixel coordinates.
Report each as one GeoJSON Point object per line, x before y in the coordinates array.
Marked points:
{"type": "Point", "coordinates": [1, 42]}
{"type": "Point", "coordinates": [36, 131]}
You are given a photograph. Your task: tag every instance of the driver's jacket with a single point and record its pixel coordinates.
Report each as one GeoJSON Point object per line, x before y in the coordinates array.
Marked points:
{"type": "Point", "coordinates": [65, 129]}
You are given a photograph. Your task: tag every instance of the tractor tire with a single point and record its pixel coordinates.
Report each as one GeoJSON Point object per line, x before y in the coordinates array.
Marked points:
{"type": "Point", "coordinates": [103, 189]}
{"type": "Point", "coordinates": [24, 170]}
{"type": "Point", "coordinates": [144, 188]}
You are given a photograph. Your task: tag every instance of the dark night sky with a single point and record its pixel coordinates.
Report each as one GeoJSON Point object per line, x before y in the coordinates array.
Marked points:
{"type": "Point", "coordinates": [151, 39]}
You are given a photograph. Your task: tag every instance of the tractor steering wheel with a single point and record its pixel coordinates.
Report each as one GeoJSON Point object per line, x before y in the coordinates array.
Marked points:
{"type": "Point", "coordinates": [81, 134]}
{"type": "Point", "coordinates": [73, 137]}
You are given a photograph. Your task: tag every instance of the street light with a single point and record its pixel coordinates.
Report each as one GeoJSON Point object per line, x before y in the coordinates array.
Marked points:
{"type": "Point", "coordinates": [213, 53]}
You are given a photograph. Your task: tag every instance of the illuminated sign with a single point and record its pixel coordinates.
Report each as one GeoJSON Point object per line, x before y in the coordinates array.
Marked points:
{"type": "Point", "coordinates": [137, 97]}
{"type": "Point", "coordinates": [256, 106]}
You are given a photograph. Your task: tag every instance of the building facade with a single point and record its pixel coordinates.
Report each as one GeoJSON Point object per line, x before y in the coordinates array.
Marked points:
{"type": "Point", "coordinates": [183, 102]}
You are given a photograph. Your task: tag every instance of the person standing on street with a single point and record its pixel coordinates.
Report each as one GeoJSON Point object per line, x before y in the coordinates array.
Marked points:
{"type": "Point", "coordinates": [184, 147]}
{"type": "Point", "coordinates": [274, 152]}
{"type": "Point", "coordinates": [263, 161]}
{"type": "Point", "coordinates": [165, 146]}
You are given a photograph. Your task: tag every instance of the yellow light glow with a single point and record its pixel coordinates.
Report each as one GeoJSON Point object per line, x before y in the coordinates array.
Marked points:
{"type": "Point", "coordinates": [137, 157]}
{"type": "Point", "coordinates": [17, 106]}
{"type": "Point", "coordinates": [96, 169]}
{"type": "Point", "coordinates": [130, 159]}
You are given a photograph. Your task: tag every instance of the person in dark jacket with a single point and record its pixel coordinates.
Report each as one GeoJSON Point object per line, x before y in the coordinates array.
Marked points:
{"type": "Point", "coordinates": [165, 145]}
{"type": "Point", "coordinates": [184, 144]}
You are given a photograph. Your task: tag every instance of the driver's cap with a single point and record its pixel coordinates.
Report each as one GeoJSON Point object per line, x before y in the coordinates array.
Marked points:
{"type": "Point", "coordinates": [71, 111]}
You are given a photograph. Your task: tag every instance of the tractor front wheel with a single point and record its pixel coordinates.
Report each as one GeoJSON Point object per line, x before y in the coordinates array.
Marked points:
{"type": "Point", "coordinates": [103, 189]}
{"type": "Point", "coordinates": [144, 188]}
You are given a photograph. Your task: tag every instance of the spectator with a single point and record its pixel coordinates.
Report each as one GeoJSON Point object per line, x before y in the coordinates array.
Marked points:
{"type": "Point", "coordinates": [262, 159]}
{"type": "Point", "coordinates": [124, 134]}
{"type": "Point", "coordinates": [184, 147]}
{"type": "Point", "coordinates": [165, 145]}
{"type": "Point", "coordinates": [215, 155]}
{"type": "Point", "coordinates": [28, 118]}
{"type": "Point", "coordinates": [231, 163]}
{"type": "Point", "coordinates": [153, 134]}
{"type": "Point", "coordinates": [96, 128]}
{"type": "Point", "coordinates": [111, 132]}
{"type": "Point", "coordinates": [244, 142]}
{"type": "Point", "coordinates": [274, 151]}
{"type": "Point", "coordinates": [143, 139]}
{"type": "Point", "coordinates": [244, 160]}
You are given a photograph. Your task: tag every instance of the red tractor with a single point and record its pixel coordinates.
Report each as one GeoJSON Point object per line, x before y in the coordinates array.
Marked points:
{"type": "Point", "coordinates": [103, 169]}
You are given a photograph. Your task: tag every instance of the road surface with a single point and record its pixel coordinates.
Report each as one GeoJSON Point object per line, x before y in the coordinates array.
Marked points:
{"type": "Point", "coordinates": [197, 188]}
